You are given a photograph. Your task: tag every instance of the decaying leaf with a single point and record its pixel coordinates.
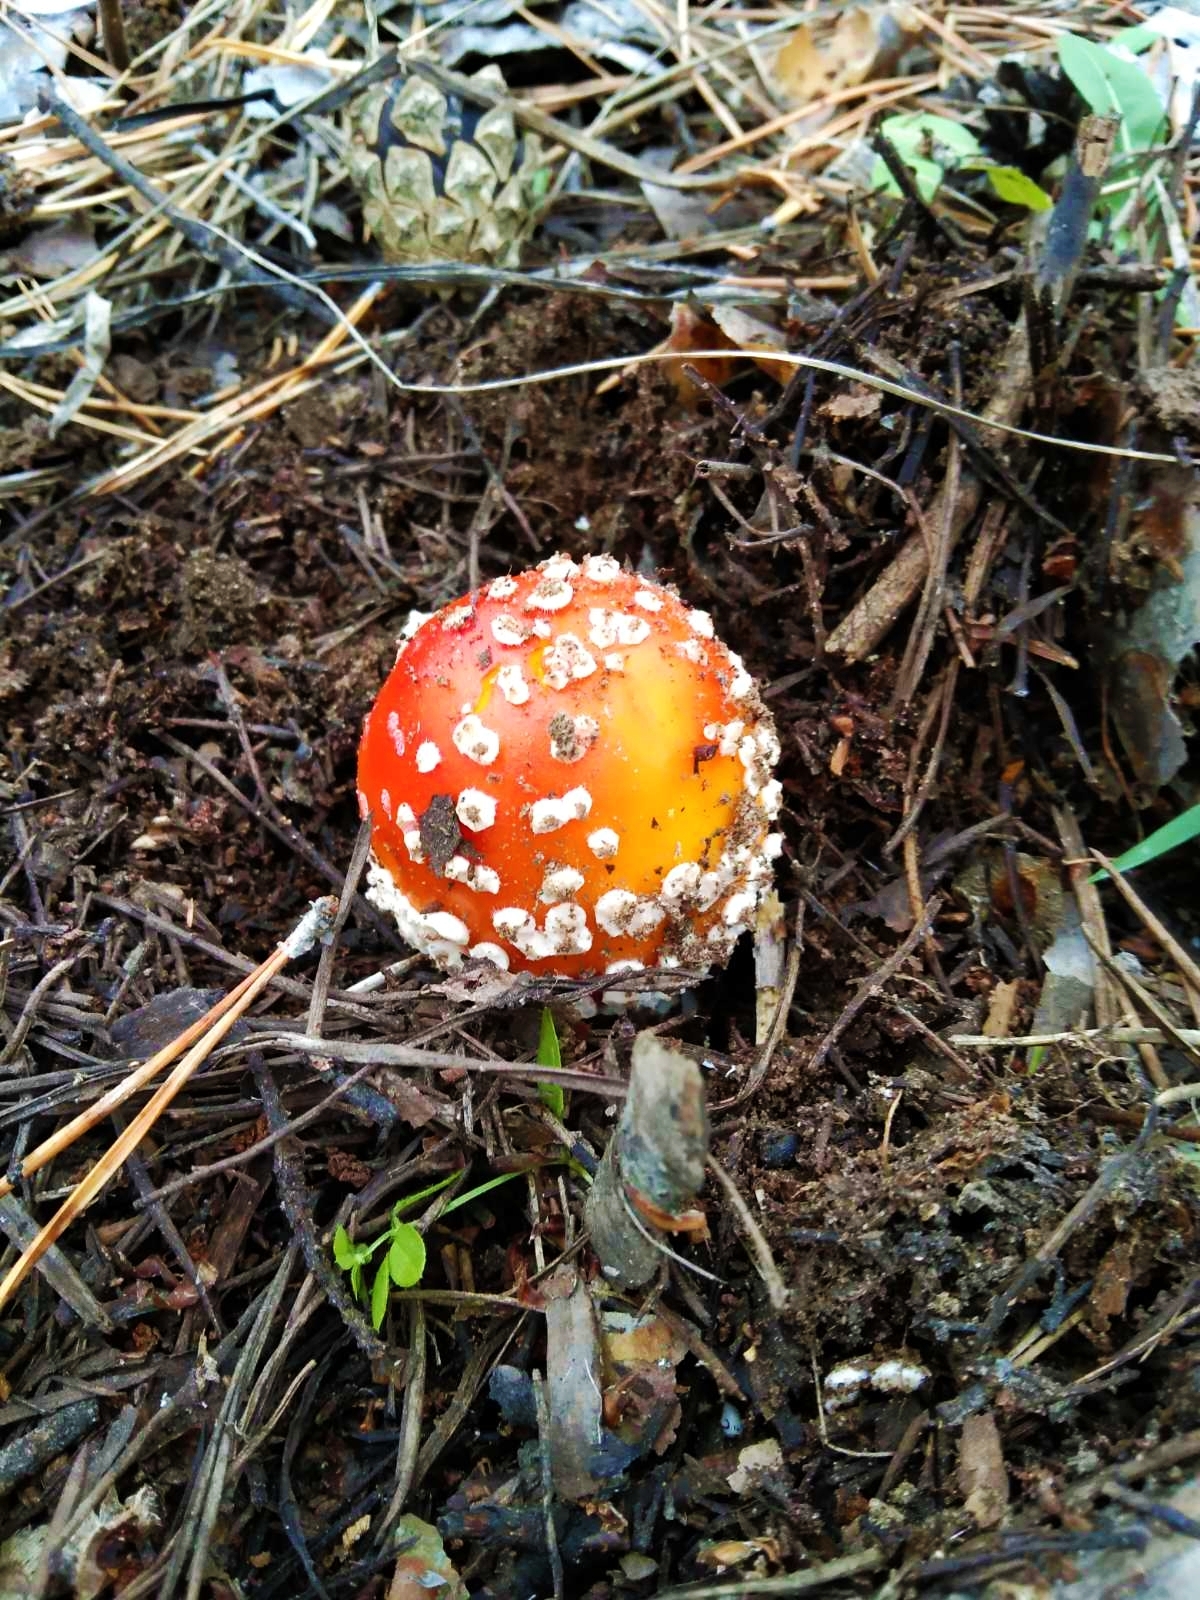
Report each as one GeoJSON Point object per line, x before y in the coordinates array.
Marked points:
{"type": "Point", "coordinates": [747, 332]}
{"type": "Point", "coordinates": [691, 330]}
{"type": "Point", "coordinates": [573, 1385]}
{"type": "Point", "coordinates": [680, 213]}
{"type": "Point", "coordinates": [422, 1567]}
{"type": "Point", "coordinates": [1114, 1279]}
{"type": "Point", "coordinates": [1148, 649]}
{"type": "Point", "coordinates": [864, 42]}
{"type": "Point", "coordinates": [722, 1554]}
{"type": "Point", "coordinates": [754, 1460]}
{"type": "Point", "coordinates": [982, 1476]}
{"type": "Point", "coordinates": [1002, 1004]}
{"type": "Point", "coordinates": [641, 1400]}
{"type": "Point", "coordinates": [52, 252]}
{"type": "Point", "coordinates": [852, 406]}
{"type": "Point", "coordinates": [110, 1545]}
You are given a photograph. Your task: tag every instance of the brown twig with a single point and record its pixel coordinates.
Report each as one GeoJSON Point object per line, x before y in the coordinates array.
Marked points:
{"type": "Point", "coordinates": [1109, 1175]}
{"type": "Point", "coordinates": [112, 24]}
{"type": "Point", "coordinates": [865, 625]}
{"type": "Point", "coordinates": [878, 980]}
{"type": "Point", "coordinates": [777, 1292]}
{"type": "Point", "coordinates": [66, 1136]}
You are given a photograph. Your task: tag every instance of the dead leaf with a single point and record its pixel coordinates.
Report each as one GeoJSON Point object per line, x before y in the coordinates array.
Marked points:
{"type": "Point", "coordinates": [102, 1548]}
{"type": "Point", "coordinates": [864, 42]}
{"type": "Point", "coordinates": [853, 405]}
{"type": "Point", "coordinates": [805, 70]}
{"type": "Point", "coordinates": [630, 1341]}
{"type": "Point", "coordinates": [753, 1459]}
{"type": "Point", "coordinates": [641, 1398]}
{"type": "Point", "coordinates": [690, 331]}
{"type": "Point", "coordinates": [982, 1475]}
{"type": "Point", "coordinates": [1110, 1289]}
{"type": "Point", "coordinates": [751, 333]}
{"type": "Point", "coordinates": [422, 1567]}
{"type": "Point", "coordinates": [52, 252]}
{"type": "Point", "coordinates": [680, 213]}
{"type": "Point", "coordinates": [726, 1553]}
{"type": "Point", "coordinates": [415, 1106]}
{"type": "Point", "coordinates": [1002, 1003]}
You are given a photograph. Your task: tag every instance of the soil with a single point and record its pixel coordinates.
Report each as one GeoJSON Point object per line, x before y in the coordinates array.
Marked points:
{"type": "Point", "coordinates": [183, 675]}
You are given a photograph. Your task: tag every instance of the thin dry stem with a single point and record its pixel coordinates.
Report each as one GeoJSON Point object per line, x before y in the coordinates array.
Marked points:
{"type": "Point", "coordinates": [90, 1186]}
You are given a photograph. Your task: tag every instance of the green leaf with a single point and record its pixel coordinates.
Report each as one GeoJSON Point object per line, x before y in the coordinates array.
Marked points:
{"type": "Point", "coordinates": [1135, 40]}
{"type": "Point", "coordinates": [356, 1277]}
{"type": "Point", "coordinates": [1180, 830]}
{"type": "Point", "coordinates": [406, 1256]}
{"type": "Point", "coordinates": [379, 1294]}
{"type": "Point", "coordinates": [553, 1098]}
{"type": "Point", "coordinates": [927, 144]}
{"type": "Point", "coordinates": [1113, 86]}
{"type": "Point", "coordinates": [345, 1251]}
{"type": "Point", "coordinates": [919, 133]}
{"type": "Point", "coordinates": [927, 176]}
{"type": "Point", "coordinates": [1011, 185]}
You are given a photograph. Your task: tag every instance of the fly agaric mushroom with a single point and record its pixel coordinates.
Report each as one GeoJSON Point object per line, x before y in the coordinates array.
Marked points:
{"type": "Point", "coordinates": [568, 774]}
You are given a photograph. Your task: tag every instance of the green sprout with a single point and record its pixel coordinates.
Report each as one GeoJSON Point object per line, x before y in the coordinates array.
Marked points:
{"type": "Point", "coordinates": [549, 1054]}
{"type": "Point", "coordinates": [1104, 76]}
{"type": "Point", "coordinates": [403, 1262]}
{"type": "Point", "coordinates": [930, 145]}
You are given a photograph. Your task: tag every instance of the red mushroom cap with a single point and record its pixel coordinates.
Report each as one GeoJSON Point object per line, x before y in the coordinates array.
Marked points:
{"type": "Point", "coordinates": [568, 774]}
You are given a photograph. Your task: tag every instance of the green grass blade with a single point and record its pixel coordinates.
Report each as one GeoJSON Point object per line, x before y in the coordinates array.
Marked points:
{"type": "Point", "coordinates": [481, 1188]}
{"type": "Point", "coordinates": [408, 1201]}
{"type": "Point", "coordinates": [1180, 830]}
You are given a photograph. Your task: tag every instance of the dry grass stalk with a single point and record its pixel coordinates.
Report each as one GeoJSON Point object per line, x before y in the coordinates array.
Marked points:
{"type": "Point", "coordinates": [308, 930]}
{"type": "Point", "coordinates": [219, 429]}
{"type": "Point", "coordinates": [64, 1137]}
{"type": "Point", "coordinates": [701, 52]}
